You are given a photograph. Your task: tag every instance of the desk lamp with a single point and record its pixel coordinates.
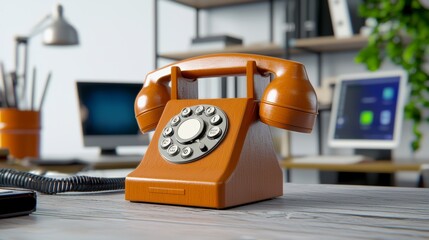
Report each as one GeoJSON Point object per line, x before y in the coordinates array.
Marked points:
{"type": "Point", "coordinates": [56, 32]}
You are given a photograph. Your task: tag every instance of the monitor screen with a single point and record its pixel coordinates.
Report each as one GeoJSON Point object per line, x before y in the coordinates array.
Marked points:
{"type": "Point", "coordinates": [107, 115]}
{"type": "Point", "coordinates": [367, 110]}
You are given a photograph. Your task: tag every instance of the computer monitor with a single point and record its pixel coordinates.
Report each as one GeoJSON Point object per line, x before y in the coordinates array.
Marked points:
{"type": "Point", "coordinates": [367, 110]}
{"type": "Point", "coordinates": [107, 115]}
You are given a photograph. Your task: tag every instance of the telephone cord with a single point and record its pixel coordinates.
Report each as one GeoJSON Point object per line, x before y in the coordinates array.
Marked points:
{"type": "Point", "coordinates": [48, 185]}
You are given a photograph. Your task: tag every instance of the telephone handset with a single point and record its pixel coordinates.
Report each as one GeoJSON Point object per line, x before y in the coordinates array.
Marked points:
{"type": "Point", "coordinates": [216, 152]}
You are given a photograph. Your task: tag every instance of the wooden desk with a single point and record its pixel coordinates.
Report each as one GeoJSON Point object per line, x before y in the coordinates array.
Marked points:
{"type": "Point", "coordinates": [305, 211]}
{"type": "Point", "coordinates": [69, 166]}
{"type": "Point", "coordinates": [384, 166]}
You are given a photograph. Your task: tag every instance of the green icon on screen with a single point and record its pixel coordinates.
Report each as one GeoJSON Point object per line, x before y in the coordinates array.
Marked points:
{"type": "Point", "coordinates": [366, 118]}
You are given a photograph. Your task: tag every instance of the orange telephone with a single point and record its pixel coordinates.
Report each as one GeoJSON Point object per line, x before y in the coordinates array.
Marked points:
{"type": "Point", "coordinates": [215, 152]}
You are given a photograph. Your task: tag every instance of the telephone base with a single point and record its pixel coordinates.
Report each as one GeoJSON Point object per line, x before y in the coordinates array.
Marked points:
{"type": "Point", "coordinates": [208, 195]}
{"type": "Point", "coordinates": [242, 169]}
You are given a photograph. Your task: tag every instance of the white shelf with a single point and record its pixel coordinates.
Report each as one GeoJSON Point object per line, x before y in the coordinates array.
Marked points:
{"type": "Point", "coordinates": [213, 3]}
{"type": "Point", "coordinates": [319, 44]}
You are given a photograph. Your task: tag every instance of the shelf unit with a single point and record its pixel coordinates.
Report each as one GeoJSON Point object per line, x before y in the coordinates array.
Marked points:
{"type": "Point", "coordinates": [205, 4]}
{"type": "Point", "coordinates": [317, 45]}
{"type": "Point", "coordinates": [264, 49]}
{"type": "Point", "coordinates": [294, 46]}
{"type": "Point", "coordinates": [330, 44]}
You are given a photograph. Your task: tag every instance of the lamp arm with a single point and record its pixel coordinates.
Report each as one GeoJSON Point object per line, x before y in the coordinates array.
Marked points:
{"type": "Point", "coordinates": [15, 75]}
{"type": "Point", "coordinates": [39, 26]}
{"type": "Point", "coordinates": [23, 40]}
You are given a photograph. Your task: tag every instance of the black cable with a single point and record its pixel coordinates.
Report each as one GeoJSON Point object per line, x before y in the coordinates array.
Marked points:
{"type": "Point", "coordinates": [20, 179]}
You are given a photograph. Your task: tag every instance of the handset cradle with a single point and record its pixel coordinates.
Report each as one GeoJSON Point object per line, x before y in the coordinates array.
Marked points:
{"type": "Point", "coordinates": [218, 153]}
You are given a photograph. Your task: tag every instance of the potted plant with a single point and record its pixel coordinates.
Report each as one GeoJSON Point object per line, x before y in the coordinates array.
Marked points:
{"type": "Point", "coordinates": [401, 34]}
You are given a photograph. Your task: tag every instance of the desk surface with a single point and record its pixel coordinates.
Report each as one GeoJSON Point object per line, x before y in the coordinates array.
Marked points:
{"type": "Point", "coordinates": [383, 166]}
{"type": "Point", "coordinates": [305, 211]}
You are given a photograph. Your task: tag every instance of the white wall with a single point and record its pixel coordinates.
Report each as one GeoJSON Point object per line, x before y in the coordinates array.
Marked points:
{"type": "Point", "coordinates": [117, 44]}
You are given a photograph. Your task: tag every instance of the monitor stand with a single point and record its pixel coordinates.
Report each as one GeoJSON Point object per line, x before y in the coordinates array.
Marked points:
{"type": "Point", "coordinates": [109, 152]}
{"type": "Point", "coordinates": [111, 155]}
{"type": "Point", "coordinates": [375, 154]}
{"type": "Point", "coordinates": [379, 179]}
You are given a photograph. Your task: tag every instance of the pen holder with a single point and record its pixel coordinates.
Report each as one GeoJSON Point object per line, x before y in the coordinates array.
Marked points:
{"type": "Point", "coordinates": [20, 132]}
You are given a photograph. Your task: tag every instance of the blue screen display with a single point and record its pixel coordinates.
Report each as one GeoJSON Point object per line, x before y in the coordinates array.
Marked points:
{"type": "Point", "coordinates": [108, 108]}
{"type": "Point", "coordinates": [367, 109]}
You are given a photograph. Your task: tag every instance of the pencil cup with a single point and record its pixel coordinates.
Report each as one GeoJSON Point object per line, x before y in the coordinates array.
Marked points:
{"type": "Point", "coordinates": [20, 132]}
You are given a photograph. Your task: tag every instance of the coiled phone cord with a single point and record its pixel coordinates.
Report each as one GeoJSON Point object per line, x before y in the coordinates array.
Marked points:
{"type": "Point", "coordinates": [20, 179]}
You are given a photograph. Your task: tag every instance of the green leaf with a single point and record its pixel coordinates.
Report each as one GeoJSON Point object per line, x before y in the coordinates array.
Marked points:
{"type": "Point", "coordinates": [416, 131]}
{"type": "Point", "coordinates": [412, 112]}
{"type": "Point", "coordinates": [394, 51]}
{"type": "Point", "coordinates": [415, 145]}
{"type": "Point", "coordinates": [373, 63]}
{"type": "Point", "coordinates": [409, 52]}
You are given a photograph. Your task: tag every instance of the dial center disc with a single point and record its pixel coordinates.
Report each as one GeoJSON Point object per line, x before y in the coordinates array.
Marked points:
{"type": "Point", "coordinates": [189, 130]}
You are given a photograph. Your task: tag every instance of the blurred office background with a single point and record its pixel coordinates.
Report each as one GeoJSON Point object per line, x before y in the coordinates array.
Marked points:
{"type": "Point", "coordinates": [117, 43]}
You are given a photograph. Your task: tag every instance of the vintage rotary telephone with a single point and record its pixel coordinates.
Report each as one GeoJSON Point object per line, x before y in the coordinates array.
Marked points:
{"type": "Point", "coordinates": [216, 152]}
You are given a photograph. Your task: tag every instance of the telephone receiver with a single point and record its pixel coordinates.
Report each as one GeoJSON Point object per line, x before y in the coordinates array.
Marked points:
{"type": "Point", "coordinates": [289, 101]}
{"type": "Point", "coordinates": [218, 153]}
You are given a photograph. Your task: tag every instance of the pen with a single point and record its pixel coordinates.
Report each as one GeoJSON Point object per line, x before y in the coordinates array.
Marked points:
{"type": "Point", "coordinates": [14, 79]}
{"type": "Point", "coordinates": [44, 91]}
{"type": "Point", "coordinates": [33, 89]}
{"type": "Point", "coordinates": [4, 91]}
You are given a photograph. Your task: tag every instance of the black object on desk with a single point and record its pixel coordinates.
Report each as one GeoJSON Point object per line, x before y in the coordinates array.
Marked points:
{"type": "Point", "coordinates": [48, 185]}
{"type": "Point", "coordinates": [17, 202]}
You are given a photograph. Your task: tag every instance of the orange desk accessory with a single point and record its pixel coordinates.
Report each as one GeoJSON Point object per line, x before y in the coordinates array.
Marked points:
{"type": "Point", "coordinates": [20, 132]}
{"type": "Point", "coordinates": [217, 153]}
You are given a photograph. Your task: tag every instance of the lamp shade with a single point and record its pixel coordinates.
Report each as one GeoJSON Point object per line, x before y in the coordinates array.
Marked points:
{"type": "Point", "coordinates": [60, 32]}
